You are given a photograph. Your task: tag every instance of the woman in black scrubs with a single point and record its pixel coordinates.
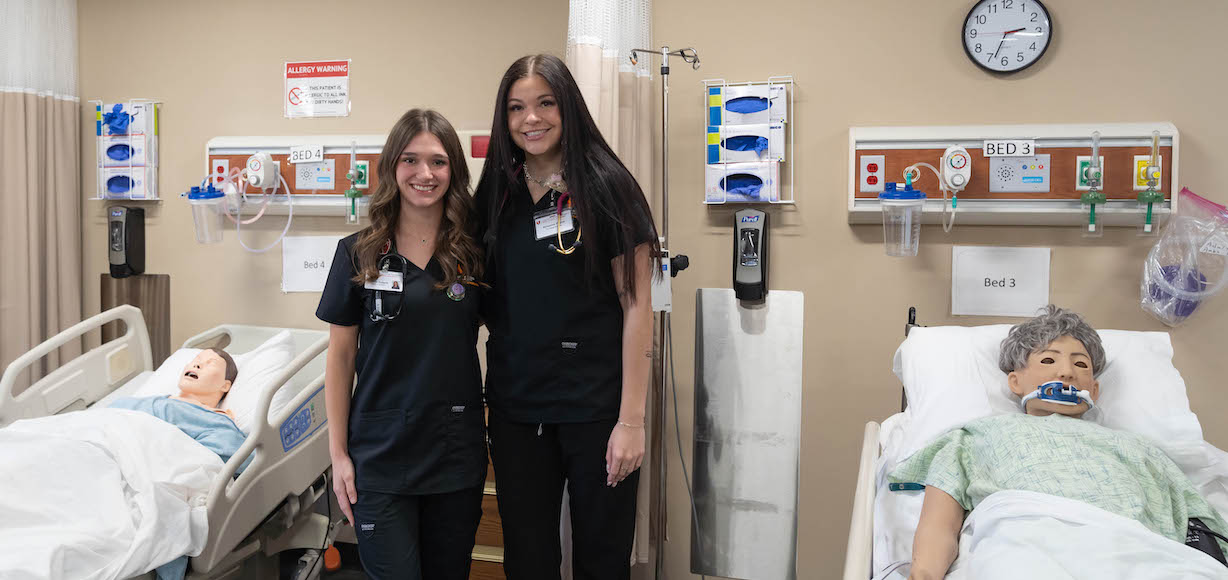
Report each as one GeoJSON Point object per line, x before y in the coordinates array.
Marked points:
{"type": "Point", "coordinates": [570, 245]}
{"type": "Point", "coordinates": [408, 445]}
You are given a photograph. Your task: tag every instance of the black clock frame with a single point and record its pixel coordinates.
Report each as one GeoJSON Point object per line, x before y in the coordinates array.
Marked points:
{"type": "Point", "coordinates": [977, 62]}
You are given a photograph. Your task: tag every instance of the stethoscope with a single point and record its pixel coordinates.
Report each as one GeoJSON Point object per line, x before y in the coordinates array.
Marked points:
{"type": "Point", "coordinates": [558, 226]}
{"type": "Point", "coordinates": [558, 218]}
{"type": "Point", "coordinates": [456, 291]}
{"type": "Point", "coordinates": [390, 255]}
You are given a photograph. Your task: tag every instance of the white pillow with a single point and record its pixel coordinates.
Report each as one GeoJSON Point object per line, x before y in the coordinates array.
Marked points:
{"type": "Point", "coordinates": [257, 369]}
{"type": "Point", "coordinates": [951, 376]}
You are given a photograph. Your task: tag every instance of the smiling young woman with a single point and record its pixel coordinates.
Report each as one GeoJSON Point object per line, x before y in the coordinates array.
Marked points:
{"type": "Point", "coordinates": [408, 442]}
{"type": "Point", "coordinates": [570, 245]}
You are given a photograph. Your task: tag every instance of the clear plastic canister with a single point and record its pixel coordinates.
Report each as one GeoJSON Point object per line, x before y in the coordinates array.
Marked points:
{"type": "Point", "coordinates": [207, 214]}
{"type": "Point", "coordinates": [901, 219]}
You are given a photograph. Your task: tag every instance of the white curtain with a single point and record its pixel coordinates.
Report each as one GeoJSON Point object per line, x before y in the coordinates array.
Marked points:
{"type": "Point", "coordinates": [40, 179]}
{"type": "Point", "coordinates": [600, 36]}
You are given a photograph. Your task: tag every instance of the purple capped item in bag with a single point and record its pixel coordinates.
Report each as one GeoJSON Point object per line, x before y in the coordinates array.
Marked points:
{"type": "Point", "coordinates": [1193, 282]}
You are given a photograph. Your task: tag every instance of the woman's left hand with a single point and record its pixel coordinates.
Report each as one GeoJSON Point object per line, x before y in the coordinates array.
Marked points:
{"type": "Point", "coordinates": [624, 454]}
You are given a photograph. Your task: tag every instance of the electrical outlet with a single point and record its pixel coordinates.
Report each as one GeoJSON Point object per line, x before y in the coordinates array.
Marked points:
{"type": "Point", "coordinates": [873, 168]}
{"type": "Point", "coordinates": [1083, 162]}
{"type": "Point", "coordinates": [1140, 171]}
{"type": "Point", "coordinates": [364, 174]}
{"type": "Point", "coordinates": [218, 168]}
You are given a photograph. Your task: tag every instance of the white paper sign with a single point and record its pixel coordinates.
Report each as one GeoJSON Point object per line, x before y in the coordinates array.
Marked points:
{"type": "Point", "coordinates": [994, 281]}
{"type": "Point", "coordinates": [1009, 148]}
{"type": "Point", "coordinates": [305, 261]}
{"type": "Point", "coordinates": [307, 154]}
{"type": "Point", "coordinates": [317, 89]}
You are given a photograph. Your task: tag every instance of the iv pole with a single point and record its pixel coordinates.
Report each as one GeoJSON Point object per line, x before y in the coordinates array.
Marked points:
{"type": "Point", "coordinates": [661, 371]}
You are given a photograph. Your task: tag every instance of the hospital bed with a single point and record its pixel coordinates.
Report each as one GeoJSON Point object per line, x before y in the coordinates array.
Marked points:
{"type": "Point", "coordinates": [268, 507]}
{"type": "Point", "coordinates": [883, 521]}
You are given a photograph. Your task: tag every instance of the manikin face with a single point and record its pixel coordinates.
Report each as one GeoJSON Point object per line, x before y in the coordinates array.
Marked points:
{"type": "Point", "coordinates": [533, 117]}
{"type": "Point", "coordinates": [205, 376]}
{"type": "Point", "coordinates": [423, 171]}
{"type": "Point", "coordinates": [1066, 360]}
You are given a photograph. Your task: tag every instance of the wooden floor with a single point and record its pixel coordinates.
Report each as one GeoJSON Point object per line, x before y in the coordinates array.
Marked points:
{"type": "Point", "coordinates": [488, 551]}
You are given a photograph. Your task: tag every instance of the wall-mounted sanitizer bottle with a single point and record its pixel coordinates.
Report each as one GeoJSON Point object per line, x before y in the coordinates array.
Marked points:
{"type": "Point", "coordinates": [750, 255]}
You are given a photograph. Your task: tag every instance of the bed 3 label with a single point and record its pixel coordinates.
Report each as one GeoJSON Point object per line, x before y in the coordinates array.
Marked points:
{"type": "Point", "coordinates": [1000, 283]}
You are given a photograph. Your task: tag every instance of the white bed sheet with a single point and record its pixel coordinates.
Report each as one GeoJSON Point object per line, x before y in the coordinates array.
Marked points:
{"type": "Point", "coordinates": [128, 389]}
{"type": "Point", "coordinates": [100, 495]}
{"type": "Point", "coordinates": [896, 513]}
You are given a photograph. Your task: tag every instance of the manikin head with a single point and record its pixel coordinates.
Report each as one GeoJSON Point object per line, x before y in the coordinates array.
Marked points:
{"type": "Point", "coordinates": [208, 377]}
{"type": "Point", "coordinates": [1057, 345]}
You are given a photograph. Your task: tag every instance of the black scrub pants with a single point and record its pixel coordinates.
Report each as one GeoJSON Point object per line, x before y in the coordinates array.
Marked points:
{"type": "Point", "coordinates": [530, 470]}
{"type": "Point", "coordinates": [417, 537]}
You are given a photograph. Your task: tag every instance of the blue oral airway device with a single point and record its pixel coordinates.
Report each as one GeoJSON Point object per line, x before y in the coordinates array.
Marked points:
{"type": "Point", "coordinates": [1060, 393]}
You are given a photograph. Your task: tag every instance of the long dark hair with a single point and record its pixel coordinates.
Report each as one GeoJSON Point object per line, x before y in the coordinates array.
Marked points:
{"type": "Point", "coordinates": [602, 189]}
{"type": "Point", "coordinates": [454, 245]}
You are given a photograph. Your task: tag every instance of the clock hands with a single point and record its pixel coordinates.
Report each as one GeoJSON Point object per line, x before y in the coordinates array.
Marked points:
{"type": "Point", "coordinates": [1003, 41]}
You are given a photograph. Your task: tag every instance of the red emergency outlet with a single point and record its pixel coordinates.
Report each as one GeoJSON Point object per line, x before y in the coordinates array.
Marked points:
{"type": "Point", "coordinates": [872, 180]}
{"type": "Point", "coordinates": [872, 168]}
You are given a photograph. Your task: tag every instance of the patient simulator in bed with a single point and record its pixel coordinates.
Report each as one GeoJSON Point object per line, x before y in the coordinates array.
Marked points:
{"type": "Point", "coordinates": [1049, 448]}
{"type": "Point", "coordinates": [202, 386]}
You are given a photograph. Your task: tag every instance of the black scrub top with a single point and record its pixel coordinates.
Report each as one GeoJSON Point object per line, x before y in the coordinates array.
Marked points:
{"type": "Point", "coordinates": [416, 418]}
{"type": "Point", "coordinates": [555, 348]}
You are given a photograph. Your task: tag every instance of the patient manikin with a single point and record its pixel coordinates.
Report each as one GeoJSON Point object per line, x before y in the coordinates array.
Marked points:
{"type": "Point", "coordinates": [1058, 445]}
{"type": "Point", "coordinates": [202, 386]}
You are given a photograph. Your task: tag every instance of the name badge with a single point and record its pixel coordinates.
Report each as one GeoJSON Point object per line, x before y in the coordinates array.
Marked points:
{"type": "Point", "coordinates": [387, 281]}
{"type": "Point", "coordinates": [548, 222]}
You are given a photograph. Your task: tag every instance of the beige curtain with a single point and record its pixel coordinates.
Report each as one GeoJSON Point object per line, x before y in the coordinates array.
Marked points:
{"type": "Point", "coordinates": [600, 36]}
{"type": "Point", "coordinates": [40, 179]}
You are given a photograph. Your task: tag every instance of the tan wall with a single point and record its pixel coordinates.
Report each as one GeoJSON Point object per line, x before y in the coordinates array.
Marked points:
{"type": "Point", "coordinates": [900, 62]}
{"type": "Point", "coordinates": [857, 63]}
{"type": "Point", "coordinates": [217, 68]}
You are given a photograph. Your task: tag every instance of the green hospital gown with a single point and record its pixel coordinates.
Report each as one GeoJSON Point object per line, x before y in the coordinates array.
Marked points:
{"type": "Point", "coordinates": [1116, 471]}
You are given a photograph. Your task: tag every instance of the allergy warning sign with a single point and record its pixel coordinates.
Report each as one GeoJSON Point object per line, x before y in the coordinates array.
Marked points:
{"type": "Point", "coordinates": [317, 89]}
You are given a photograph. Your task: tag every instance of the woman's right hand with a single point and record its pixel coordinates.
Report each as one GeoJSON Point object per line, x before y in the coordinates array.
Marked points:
{"type": "Point", "coordinates": [343, 484]}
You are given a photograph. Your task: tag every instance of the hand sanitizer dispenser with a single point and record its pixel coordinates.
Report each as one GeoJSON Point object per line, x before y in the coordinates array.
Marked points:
{"type": "Point", "coordinates": [750, 255]}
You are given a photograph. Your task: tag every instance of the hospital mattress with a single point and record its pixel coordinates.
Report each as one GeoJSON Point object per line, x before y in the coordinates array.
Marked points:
{"type": "Point", "coordinates": [266, 509]}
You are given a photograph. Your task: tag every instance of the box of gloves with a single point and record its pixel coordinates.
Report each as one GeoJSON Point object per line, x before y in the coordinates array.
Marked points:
{"type": "Point", "coordinates": [756, 181]}
{"type": "Point", "coordinates": [747, 104]}
{"type": "Point", "coordinates": [738, 143]}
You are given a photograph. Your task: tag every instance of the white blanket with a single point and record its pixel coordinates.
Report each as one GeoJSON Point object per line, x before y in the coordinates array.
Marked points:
{"type": "Point", "coordinates": [101, 494]}
{"type": "Point", "coordinates": [1024, 535]}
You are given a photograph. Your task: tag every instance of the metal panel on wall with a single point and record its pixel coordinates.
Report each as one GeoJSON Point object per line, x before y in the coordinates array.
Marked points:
{"type": "Point", "coordinates": [748, 390]}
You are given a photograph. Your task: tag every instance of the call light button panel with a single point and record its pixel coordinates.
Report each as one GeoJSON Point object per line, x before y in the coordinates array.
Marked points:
{"type": "Point", "coordinates": [1019, 174]}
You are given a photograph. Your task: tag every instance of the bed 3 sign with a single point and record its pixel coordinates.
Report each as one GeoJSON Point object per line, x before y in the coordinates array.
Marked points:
{"type": "Point", "coordinates": [1000, 283]}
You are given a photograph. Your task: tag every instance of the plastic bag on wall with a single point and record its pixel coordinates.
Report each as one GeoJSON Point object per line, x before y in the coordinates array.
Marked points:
{"type": "Point", "coordinates": [1189, 263]}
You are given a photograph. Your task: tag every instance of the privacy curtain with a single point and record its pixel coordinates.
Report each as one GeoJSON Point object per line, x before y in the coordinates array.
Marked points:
{"type": "Point", "coordinates": [600, 36]}
{"type": "Point", "coordinates": [40, 179]}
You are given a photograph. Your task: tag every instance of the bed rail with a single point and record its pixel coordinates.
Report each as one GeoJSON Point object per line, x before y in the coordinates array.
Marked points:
{"type": "Point", "coordinates": [291, 453]}
{"type": "Point", "coordinates": [858, 557]}
{"type": "Point", "coordinates": [84, 379]}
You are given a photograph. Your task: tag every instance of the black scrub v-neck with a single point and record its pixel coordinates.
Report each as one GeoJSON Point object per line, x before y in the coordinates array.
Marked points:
{"type": "Point", "coordinates": [555, 348]}
{"type": "Point", "coordinates": [416, 421]}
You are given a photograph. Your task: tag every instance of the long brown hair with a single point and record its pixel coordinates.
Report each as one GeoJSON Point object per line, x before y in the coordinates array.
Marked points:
{"type": "Point", "coordinates": [454, 245]}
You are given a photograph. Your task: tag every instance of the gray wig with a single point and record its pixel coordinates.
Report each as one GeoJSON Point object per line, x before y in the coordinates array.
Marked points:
{"type": "Point", "coordinates": [1028, 337]}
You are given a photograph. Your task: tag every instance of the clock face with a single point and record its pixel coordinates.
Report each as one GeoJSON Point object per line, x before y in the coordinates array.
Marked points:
{"type": "Point", "coordinates": [1006, 36]}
